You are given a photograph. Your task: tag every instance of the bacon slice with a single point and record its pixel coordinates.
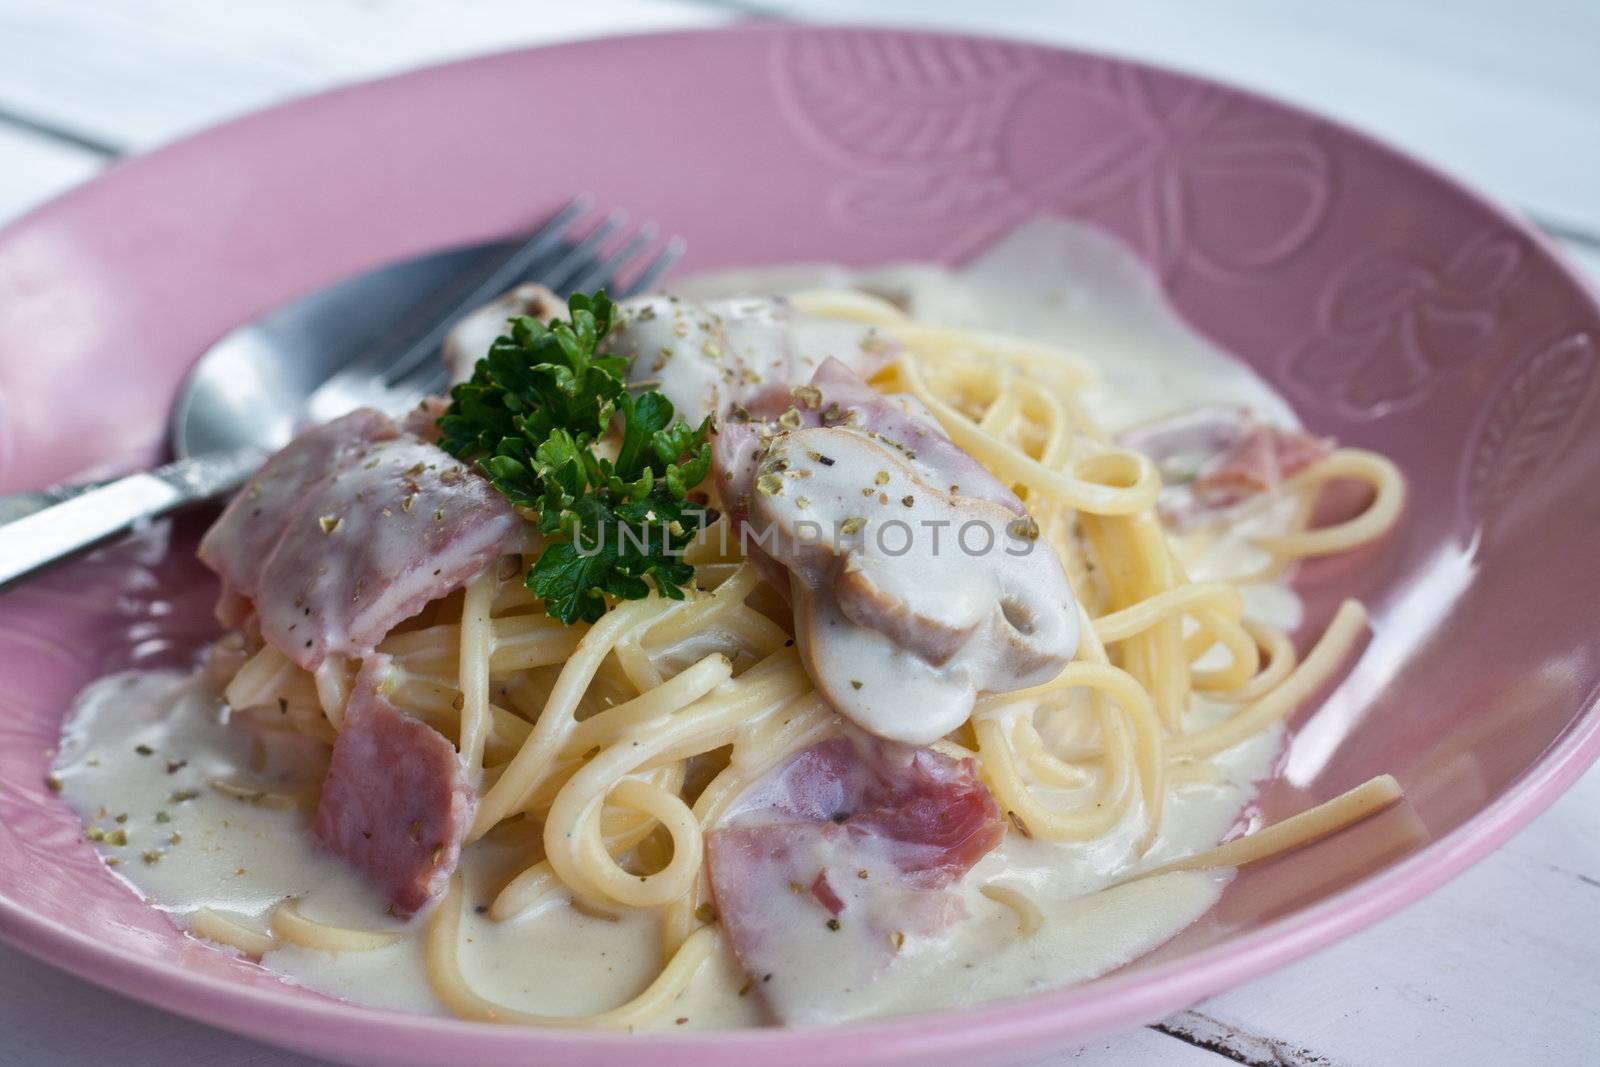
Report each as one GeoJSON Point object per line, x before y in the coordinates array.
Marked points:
{"type": "Point", "coordinates": [1265, 456]}
{"type": "Point", "coordinates": [1215, 459]}
{"type": "Point", "coordinates": [396, 804]}
{"type": "Point", "coordinates": [352, 528]}
{"type": "Point", "coordinates": [832, 863]}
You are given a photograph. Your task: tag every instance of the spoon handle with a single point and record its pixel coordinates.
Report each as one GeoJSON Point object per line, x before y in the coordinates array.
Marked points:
{"type": "Point", "coordinates": [59, 530]}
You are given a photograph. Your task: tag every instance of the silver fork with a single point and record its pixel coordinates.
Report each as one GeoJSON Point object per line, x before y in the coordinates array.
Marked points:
{"type": "Point", "coordinates": [392, 374]}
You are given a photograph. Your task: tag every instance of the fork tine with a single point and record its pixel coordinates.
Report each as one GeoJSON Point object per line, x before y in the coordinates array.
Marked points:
{"type": "Point", "coordinates": [653, 271]}
{"type": "Point", "coordinates": [430, 380]}
{"type": "Point", "coordinates": [407, 342]}
{"type": "Point", "coordinates": [381, 362]}
{"type": "Point", "coordinates": [545, 257]}
{"type": "Point", "coordinates": [607, 269]}
{"type": "Point", "coordinates": [580, 258]}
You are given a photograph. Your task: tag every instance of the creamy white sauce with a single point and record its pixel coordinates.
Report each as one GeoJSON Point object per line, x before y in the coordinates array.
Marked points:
{"type": "Point", "coordinates": [902, 655]}
{"type": "Point", "coordinates": [241, 857]}
{"type": "Point", "coordinates": [707, 356]}
{"type": "Point", "coordinates": [471, 338]}
{"type": "Point", "coordinates": [1068, 284]}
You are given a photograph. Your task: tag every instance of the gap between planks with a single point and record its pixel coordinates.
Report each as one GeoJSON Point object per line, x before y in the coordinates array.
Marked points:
{"type": "Point", "coordinates": [1236, 1044]}
{"type": "Point", "coordinates": [61, 135]}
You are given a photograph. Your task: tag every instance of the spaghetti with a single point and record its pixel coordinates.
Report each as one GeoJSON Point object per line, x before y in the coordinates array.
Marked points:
{"type": "Point", "coordinates": [604, 754]}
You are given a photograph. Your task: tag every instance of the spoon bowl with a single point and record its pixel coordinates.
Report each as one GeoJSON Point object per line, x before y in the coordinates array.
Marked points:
{"type": "Point", "coordinates": [252, 387]}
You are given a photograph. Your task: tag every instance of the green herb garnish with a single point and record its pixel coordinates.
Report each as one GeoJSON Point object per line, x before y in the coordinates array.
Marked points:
{"type": "Point", "coordinates": [530, 418]}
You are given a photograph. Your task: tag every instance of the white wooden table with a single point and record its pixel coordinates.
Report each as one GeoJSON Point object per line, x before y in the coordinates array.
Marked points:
{"type": "Point", "coordinates": [1501, 966]}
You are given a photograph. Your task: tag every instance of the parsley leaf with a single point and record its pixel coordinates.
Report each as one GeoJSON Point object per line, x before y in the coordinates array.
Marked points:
{"type": "Point", "coordinates": [530, 418]}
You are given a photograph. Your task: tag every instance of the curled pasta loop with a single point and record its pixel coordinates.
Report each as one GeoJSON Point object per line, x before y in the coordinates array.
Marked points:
{"type": "Point", "coordinates": [1087, 820]}
{"type": "Point", "coordinates": [1116, 482]}
{"type": "Point", "coordinates": [1332, 648]}
{"type": "Point", "coordinates": [1379, 517]}
{"type": "Point", "coordinates": [607, 879]}
{"type": "Point", "coordinates": [1281, 659]}
{"type": "Point", "coordinates": [442, 949]}
{"type": "Point", "coordinates": [526, 769]}
{"type": "Point", "coordinates": [1045, 765]}
{"type": "Point", "coordinates": [1244, 656]}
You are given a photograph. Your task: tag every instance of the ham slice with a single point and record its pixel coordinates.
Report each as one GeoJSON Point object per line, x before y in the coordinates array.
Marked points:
{"type": "Point", "coordinates": [244, 535]}
{"type": "Point", "coordinates": [353, 527]}
{"type": "Point", "coordinates": [841, 860]}
{"type": "Point", "coordinates": [1215, 459]}
{"type": "Point", "coordinates": [396, 804]}
{"type": "Point", "coordinates": [423, 420]}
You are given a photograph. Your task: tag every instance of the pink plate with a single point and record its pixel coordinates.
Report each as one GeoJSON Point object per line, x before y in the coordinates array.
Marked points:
{"type": "Point", "coordinates": [1396, 309]}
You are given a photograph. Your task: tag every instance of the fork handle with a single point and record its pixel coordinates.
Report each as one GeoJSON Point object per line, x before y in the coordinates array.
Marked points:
{"type": "Point", "coordinates": [62, 529]}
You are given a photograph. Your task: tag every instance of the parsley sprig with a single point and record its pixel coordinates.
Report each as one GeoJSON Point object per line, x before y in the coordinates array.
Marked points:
{"type": "Point", "coordinates": [530, 418]}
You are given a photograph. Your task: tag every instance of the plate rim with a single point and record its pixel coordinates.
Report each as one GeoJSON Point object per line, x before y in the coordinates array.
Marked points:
{"type": "Point", "coordinates": [1034, 1021]}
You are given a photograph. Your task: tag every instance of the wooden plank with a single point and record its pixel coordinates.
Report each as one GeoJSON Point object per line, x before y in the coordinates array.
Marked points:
{"type": "Point", "coordinates": [1136, 1048]}
{"type": "Point", "coordinates": [49, 1017]}
{"type": "Point", "coordinates": [35, 168]}
{"type": "Point", "coordinates": [134, 73]}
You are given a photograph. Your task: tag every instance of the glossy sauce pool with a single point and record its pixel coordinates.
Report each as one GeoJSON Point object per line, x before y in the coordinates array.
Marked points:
{"type": "Point", "coordinates": [149, 763]}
